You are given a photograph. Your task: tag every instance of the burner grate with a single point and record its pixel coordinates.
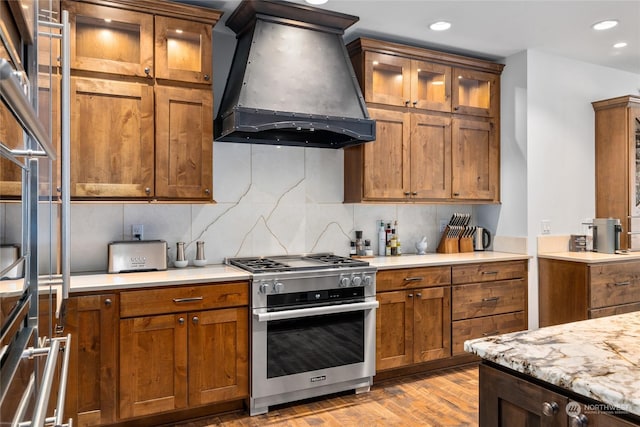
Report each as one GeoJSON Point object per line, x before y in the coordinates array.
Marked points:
{"type": "Point", "coordinates": [337, 260]}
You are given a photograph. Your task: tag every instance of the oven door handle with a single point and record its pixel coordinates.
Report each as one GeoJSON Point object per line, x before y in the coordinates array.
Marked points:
{"type": "Point", "coordinates": [315, 311]}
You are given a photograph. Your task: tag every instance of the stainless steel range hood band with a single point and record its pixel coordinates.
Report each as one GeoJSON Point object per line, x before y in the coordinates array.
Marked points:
{"type": "Point", "coordinates": [304, 130]}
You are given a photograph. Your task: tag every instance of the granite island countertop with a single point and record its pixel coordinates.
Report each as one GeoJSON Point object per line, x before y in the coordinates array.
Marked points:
{"type": "Point", "coordinates": [597, 358]}
{"type": "Point", "coordinates": [590, 257]}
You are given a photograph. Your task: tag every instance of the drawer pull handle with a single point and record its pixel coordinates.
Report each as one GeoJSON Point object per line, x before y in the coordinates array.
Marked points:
{"type": "Point", "coordinates": [491, 299]}
{"type": "Point", "coordinates": [413, 279]}
{"type": "Point", "coordinates": [488, 334]}
{"type": "Point", "coordinates": [622, 284]}
{"type": "Point", "coordinates": [489, 272]}
{"type": "Point", "coordinates": [192, 299]}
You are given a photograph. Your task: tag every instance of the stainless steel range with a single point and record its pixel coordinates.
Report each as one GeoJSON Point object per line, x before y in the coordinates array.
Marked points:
{"type": "Point", "coordinates": [313, 327]}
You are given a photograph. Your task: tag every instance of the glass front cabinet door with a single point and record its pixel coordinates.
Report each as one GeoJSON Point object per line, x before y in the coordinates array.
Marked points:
{"type": "Point", "coordinates": [474, 91]}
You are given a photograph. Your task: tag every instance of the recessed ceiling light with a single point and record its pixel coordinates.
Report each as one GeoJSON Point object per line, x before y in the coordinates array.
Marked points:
{"type": "Point", "coordinates": [440, 26]}
{"type": "Point", "coordinates": [605, 25]}
{"type": "Point", "coordinates": [620, 45]}
{"type": "Point", "coordinates": [316, 1]}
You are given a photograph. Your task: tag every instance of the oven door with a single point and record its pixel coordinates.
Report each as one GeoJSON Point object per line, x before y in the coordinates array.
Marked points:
{"type": "Point", "coordinates": [305, 348]}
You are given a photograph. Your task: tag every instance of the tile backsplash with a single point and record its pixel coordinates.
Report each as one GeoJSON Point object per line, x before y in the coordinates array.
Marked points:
{"type": "Point", "coordinates": [269, 201]}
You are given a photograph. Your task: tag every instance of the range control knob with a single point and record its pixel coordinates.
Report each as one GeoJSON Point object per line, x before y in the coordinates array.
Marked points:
{"type": "Point", "coordinates": [367, 280]}
{"type": "Point", "coordinates": [356, 281]}
{"type": "Point", "coordinates": [344, 281]}
{"type": "Point", "coordinates": [278, 287]}
{"type": "Point", "coordinates": [264, 288]}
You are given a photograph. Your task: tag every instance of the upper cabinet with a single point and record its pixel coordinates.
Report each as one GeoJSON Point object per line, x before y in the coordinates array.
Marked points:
{"type": "Point", "coordinates": [141, 100]}
{"type": "Point", "coordinates": [437, 119]}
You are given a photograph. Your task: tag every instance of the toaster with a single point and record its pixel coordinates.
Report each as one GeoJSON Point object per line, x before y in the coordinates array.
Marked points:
{"type": "Point", "coordinates": [137, 255]}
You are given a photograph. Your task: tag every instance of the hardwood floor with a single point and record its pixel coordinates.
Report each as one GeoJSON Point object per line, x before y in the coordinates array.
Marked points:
{"type": "Point", "coordinates": [444, 398]}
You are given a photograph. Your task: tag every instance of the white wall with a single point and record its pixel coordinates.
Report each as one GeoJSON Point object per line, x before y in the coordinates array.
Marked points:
{"type": "Point", "coordinates": [558, 145]}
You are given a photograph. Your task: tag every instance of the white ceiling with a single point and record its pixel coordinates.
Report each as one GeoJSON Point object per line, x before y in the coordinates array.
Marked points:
{"type": "Point", "coordinates": [494, 29]}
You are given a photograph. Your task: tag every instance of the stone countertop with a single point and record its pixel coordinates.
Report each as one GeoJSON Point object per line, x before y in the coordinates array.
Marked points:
{"type": "Point", "coordinates": [221, 272]}
{"type": "Point", "coordinates": [597, 358]}
{"type": "Point", "coordinates": [590, 257]}
{"type": "Point", "coordinates": [434, 259]}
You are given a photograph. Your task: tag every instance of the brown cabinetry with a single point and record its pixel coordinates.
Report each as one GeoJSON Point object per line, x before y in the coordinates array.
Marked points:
{"type": "Point", "coordinates": [571, 291]}
{"type": "Point", "coordinates": [487, 299]}
{"type": "Point", "coordinates": [183, 347]}
{"type": "Point", "coordinates": [511, 400]}
{"type": "Point", "coordinates": [618, 165]}
{"type": "Point", "coordinates": [437, 117]}
{"type": "Point", "coordinates": [91, 382]}
{"type": "Point", "coordinates": [141, 100]}
{"type": "Point", "coordinates": [414, 317]}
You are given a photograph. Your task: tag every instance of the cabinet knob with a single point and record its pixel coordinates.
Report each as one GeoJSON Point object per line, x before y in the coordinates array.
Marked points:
{"type": "Point", "coordinates": [206, 77]}
{"type": "Point", "coordinates": [181, 320]}
{"type": "Point", "coordinates": [195, 320]}
{"type": "Point", "coordinates": [407, 193]}
{"type": "Point", "coordinates": [147, 71]}
{"type": "Point", "coordinates": [414, 193]}
{"type": "Point", "coordinates": [108, 302]}
{"type": "Point", "coordinates": [456, 108]}
{"type": "Point", "coordinates": [410, 295]}
{"type": "Point", "coordinates": [580, 420]}
{"type": "Point", "coordinates": [207, 191]}
{"type": "Point", "coordinates": [550, 408]}
{"type": "Point", "coordinates": [415, 103]}
{"type": "Point", "coordinates": [456, 194]}
{"type": "Point", "coordinates": [407, 102]}
{"type": "Point", "coordinates": [419, 295]}
{"type": "Point", "coordinates": [147, 191]}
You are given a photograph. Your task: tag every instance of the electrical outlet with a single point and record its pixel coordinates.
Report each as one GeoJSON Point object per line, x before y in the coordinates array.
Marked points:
{"type": "Point", "coordinates": [137, 231]}
{"type": "Point", "coordinates": [443, 224]}
{"type": "Point", "coordinates": [546, 226]}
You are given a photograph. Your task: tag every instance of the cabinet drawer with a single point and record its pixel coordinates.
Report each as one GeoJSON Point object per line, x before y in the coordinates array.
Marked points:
{"type": "Point", "coordinates": [409, 278]}
{"type": "Point", "coordinates": [183, 298]}
{"type": "Point", "coordinates": [488, 271]}
{"type": "Point", "coordinates": [616, 309]}
{"type": "Point", "coordinates": [485, 299]}
{"type": "Point", "coordinates": [614, 284]}
{"type": "Point", "coordinates": [463, 330]}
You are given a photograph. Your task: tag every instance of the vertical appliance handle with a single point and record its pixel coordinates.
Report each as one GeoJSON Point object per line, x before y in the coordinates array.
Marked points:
{"type": "Point", "coordinates": [65, 173]}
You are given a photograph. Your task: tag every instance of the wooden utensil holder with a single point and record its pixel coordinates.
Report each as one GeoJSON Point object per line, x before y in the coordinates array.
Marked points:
{"type": "Point", "coordinates": [466, 244]}
{"type": "Point", "coordinates": [448, 244]}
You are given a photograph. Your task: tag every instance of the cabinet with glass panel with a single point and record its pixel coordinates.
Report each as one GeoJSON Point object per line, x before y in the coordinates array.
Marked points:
{"type": "Point", "coordinates": [460, 95]}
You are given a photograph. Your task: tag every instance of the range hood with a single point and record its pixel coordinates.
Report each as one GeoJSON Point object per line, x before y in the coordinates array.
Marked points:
{"type": "Point", "coordinates": [291, 81]}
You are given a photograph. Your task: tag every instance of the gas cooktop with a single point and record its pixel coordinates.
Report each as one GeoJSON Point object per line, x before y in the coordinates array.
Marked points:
{"type": "Point", "coordinates": [295, 262]}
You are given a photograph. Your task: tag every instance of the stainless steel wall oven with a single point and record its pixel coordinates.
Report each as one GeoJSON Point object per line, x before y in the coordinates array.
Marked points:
{"type": "Point", "coordinates": [313, 327]}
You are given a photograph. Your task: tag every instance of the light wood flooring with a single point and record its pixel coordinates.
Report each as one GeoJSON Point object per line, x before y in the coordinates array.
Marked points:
{"type": "Point", "coordinates": [444, 398]}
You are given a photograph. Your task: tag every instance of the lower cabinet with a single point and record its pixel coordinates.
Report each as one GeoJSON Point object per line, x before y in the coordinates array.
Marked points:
{"type": "Point", "coordinates": [137, 353]}
{"type": "Point", "coordinates": [507, 400]}
{"type": "Point", "coordinates": [91, 382]}
{"type": "Point", "coordinates": [414, 317]}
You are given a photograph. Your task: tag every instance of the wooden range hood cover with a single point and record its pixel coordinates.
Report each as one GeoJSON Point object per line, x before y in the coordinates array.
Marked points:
{"type": "Point", "coordinates": [291, 81]}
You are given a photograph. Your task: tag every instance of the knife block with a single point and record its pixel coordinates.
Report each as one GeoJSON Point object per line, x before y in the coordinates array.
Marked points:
{"type": "Point", "coordinates": [466, 244]}
{"type": "Point", "coordinates": [448, 245]}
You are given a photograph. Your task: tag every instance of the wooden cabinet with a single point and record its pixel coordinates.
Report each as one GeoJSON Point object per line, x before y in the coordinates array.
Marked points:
{"type": "Point", "coordinates": [617, 140]}
{"type": "Point", "coordinates": [183, 347]}
{"type": "Point", "coordinates": [571, 291]}
{"type": "Point", "coordinates": [508, 399]}
{"type": "Point", "coordinates": [437, 119]}
{"type": "Point", "coordinates": [142, 101]}
{"type": "Point", "coordinates": [91, 384]}
{"type": "Point", "coordinates": [487, 299]}
{"type": "Point", "coordinates": [414, 317]}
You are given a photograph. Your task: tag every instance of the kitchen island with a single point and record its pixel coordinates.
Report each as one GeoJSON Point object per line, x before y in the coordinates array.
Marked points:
{"type": "Point", "coordinates": [577, 374]}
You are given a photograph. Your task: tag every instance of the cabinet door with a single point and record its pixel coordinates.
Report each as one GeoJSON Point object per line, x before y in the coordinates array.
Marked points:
{"type": "Point", "coordinates": [386, 160]}
{"type": "Point", "coordinates": [111, 138]}
{"type": "Point", "coordinates": [475, 92]}
{"type": "Point", "coordinates": [153, 365]}
{"type": "Point", "coordinates": [184, 143]}
{"type": "Point", "coordinates": [49, 116]}
{"type": "Point", "coordinates": [183, 50]}
{"type": "Point", "coordinates": [394, 330]}
{"type": "Point", "coordinates": [632, 241]}
{"type": "Point", "coordinates": [218, 355]}
{"type": "Point", "coordinates": [110, 40]}
{"type": "Point", "coordinates": [475, 158]}
{"type": "Point", "coordinates": [91, 382]}
{"type": "Point", "coordinates": [508, 401]}
{"type": "Point", "coordinates": [432, 324]}
{"type": "Point", "coordinates": [430, 156]}
{"type": "Point", "coordinates": [387, 79]}
{"type": "Point", "coordinates": [430, 86]}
